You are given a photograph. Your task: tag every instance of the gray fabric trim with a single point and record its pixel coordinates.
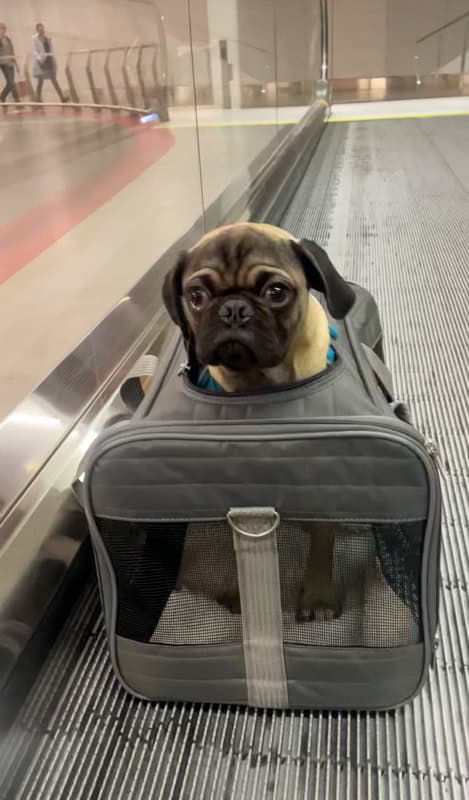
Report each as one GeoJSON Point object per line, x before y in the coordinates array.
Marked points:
{"type": "Point", "coordinates": [201, 674]}
{"type": "Point", "coordinates": [364, 679]}
{"type": "Point", "coordinates": [255, 544]}
{"type": "Point", "coordinates": [354, 678]}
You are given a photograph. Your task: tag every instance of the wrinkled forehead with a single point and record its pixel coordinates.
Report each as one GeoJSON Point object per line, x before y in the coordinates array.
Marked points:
{"type": "Point", "coordinates": [237, 257]}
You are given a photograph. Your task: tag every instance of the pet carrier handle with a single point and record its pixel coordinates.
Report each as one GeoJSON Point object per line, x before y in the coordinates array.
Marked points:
{"type": "Point", "coordinates": [255, 545]}
{"type": "Point", "coordinates": [132, 390]}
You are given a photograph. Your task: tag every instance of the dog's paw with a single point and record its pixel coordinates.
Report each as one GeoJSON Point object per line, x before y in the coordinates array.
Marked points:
{"type": "Point", "coordinates": [317, 602]}
{"type": "Point", "coordinates": [229, 599]}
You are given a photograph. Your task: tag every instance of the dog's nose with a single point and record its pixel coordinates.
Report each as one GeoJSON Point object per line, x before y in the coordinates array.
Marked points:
{"type": "Point", "coordinates": [236, 313]}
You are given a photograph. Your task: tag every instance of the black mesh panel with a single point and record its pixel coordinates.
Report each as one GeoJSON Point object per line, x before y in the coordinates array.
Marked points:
{"type": "Point", "coordinates": [146, 559]}
{"type": "Point", "coordinates": [177, 583]}
{"type": "Point", "coordinates": [373, 591]}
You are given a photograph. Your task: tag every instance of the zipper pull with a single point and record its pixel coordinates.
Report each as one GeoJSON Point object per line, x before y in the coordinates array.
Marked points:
{"type": "Point", "coordinates": [183, 368]}
{"type": "Point", "coordinates": [434, 452]}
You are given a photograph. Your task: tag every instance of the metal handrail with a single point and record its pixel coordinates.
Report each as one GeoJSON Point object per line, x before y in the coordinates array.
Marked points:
{"type": "Point", "coordinates": [437, 32]}
{"type": "Point", "coordinates": [159, 87]}
{"type": "Point", "coordinates": [76, 103]}
{"type": "Point", "coordinates": [125, 50]}
{"type": "Point", "coordinates": [89, 72]}
{"type": "Point", "coordinates": [442, 27]}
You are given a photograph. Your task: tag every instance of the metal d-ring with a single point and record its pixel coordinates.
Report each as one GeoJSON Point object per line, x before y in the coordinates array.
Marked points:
{"type": "Point", "coordinates": [252, 513]}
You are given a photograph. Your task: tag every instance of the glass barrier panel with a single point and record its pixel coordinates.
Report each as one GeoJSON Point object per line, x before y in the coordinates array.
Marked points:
{"type": "Point", "coordinates": [235, 79]}
{"type": "Point", "coordinates": [91, 197]}
{"type": "Point", "coordinates": [256, 66]}
{"type": "Point", "coordinates": [298, 50]}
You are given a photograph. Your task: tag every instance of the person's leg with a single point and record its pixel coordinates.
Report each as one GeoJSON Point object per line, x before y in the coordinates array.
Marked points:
{"type": "Point", "coordinates": [57, 88]}
{"type": "Point", "coordinates": [10, 86]}
{"type": "Point", "coordinates": [40, 84]}
{"type": "Point", "coordinates": [4, 94]}
{"type": "Point", "coordinates": [13, 86]}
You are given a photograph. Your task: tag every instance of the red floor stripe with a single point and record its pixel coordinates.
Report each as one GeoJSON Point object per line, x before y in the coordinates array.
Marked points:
{"type": "Point", "coordinates": [29, 235]}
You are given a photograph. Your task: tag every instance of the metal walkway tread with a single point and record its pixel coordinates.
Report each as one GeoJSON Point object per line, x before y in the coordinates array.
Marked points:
{"type": "Point", "coordinates": [390, 202]}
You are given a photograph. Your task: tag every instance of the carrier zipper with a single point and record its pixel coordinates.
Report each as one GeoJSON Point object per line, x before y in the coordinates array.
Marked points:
{"type": "Point", "coordinates": [122, 432]}
{"type": "Point", "coordinates": [435, 453]}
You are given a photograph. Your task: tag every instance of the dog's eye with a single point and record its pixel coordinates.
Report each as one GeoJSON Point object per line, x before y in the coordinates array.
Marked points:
{"type": "Point", "coordinates": [277, 294]}
{"type": "Point", "coordinates": [198, 298]}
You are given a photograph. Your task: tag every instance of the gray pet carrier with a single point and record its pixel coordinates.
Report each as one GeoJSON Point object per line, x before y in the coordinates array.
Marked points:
{"type": "Point", "coordinates": [205, 511]}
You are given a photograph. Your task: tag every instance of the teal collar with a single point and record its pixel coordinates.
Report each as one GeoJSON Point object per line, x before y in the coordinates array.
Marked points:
{"type": "Point", "coordinates": [205, 381]}
{"type": "Point", "coordinates": [209, 384]}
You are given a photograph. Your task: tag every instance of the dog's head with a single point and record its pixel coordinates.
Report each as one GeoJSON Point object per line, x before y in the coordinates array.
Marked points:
{"type": "Point", "coordinates": [241, 295]}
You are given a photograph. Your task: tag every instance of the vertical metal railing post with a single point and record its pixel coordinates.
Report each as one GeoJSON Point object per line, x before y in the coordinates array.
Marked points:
{"type": "Point", "coordinates": [90, 76]}
{"type": "Point", "coordinates": [324, 41]}
{"type": "Point", "coordinates": [69, 75]}
{"type": "Point", "coordinates": [465, 41]}
{"type": "Point", "coordinates": [140, 77]}
{"type": "Point", "coordinates": [162, 69]}
{"type": "Point", "coordinates": [157, 90]}
{"type": "Point", "coordinates": [438, 55]}
{"type": "Point", "coordinates": [322, 85]}
{"type": "Point", "coordinates": [418, 79]}
{"type": "Point", "coordinates": [107, 75]}
{"type": "Point", "coordinates": [125, 75]}
{"type": "Point", "coordinates": [161, 88]}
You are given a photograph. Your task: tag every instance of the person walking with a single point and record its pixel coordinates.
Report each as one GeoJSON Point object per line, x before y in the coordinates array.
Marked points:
{"type": "Point", "coordinates": [45, 67]}
{"type": "Point", "coordinates": [7, 65]}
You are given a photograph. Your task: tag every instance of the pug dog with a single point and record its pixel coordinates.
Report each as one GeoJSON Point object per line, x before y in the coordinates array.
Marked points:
{"type": "Point", "coordinates": [242, 298]}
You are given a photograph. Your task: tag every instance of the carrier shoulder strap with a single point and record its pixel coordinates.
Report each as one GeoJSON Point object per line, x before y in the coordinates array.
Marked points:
{"type": "Point", "coordinates": [382, 374]}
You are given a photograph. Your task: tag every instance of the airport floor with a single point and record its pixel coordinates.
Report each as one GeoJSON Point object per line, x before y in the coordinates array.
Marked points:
{"type": "Point", "coordinates": [90, 201]}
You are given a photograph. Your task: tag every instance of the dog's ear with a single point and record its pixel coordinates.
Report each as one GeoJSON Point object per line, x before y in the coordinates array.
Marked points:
{"type": "Point", "coordinates": [172, 295]}
{"type": "Point", "coordinates": [323, 276]}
